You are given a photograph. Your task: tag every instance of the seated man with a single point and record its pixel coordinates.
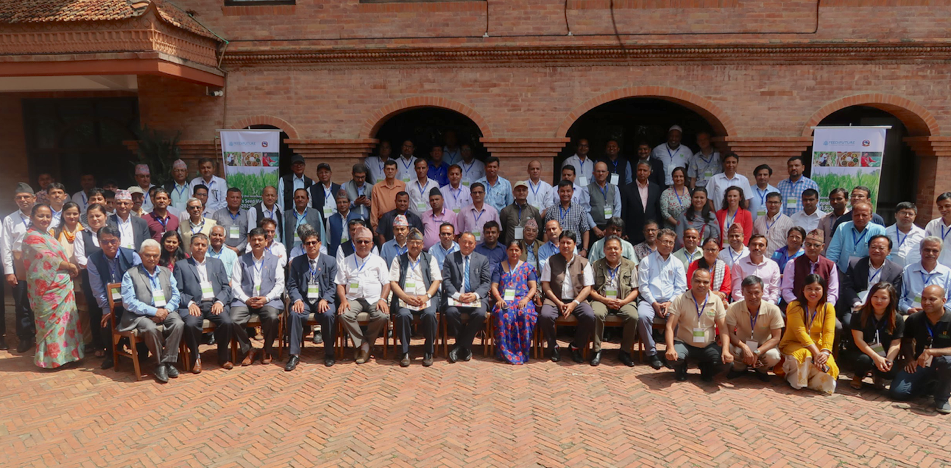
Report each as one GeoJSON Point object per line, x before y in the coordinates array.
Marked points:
{"type": "Point", "coordinates": [363, 282]}
{"type": "Point", "coordinates": [795, 272]}
{"type": "Point", "coordinates": [398, 244]}
{"type": "Point", "coordinates": [642, 250]}
{"type": "Point", "coordinates": [107, 266]}
{"type": "Point", "coordinates": [149, 292]}
{"type": "Point", "coordinates": [926, 346]}
{"type": "Point", "coordinates": [415, 280]}
{"type": "Point", "coordinates": [446, 245]}
{"type": "Point", "coordinates": [863, 273]}
{"type": "Point", "coordinates": [257, 281]}
{"type": "Point", "coordinates": [347, 249]}
{"type": "Point", "coordinates": [218, 249]}
{"type": "Point", "coordinates": [310, 285]}
{"type": "Point", "coordinates": [490, 246]}
{"type": "Point", "coordinates": [615, 290]}
{"type": "Point", "coordinates": [691, 250]}
{"type": "Point", "coordinates": [272, 246]}
{"type": "Point", "coordinates": [735, 251]}
{"type": "Point", "coordinates": [566, 282]}
{"type": "Point", "coordinates": [926, 272]}
{"type": "Point", "coordinates": [205, 289]}
{"type": "Point", "coordinates": [755, 345]}
{"type": "Point", "coordinates": [467, 278]}
{"type": "Point", "coordinates": [614, 227]}
{"type": "Point", "coordinates": [690, 332]}
{"type": "Point", "coordinates": [661, 278]}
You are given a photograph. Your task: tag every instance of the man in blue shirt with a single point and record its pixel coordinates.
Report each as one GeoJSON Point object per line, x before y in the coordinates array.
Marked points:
{"type": "Point", "coordinates": [851, 238]}
{"type": "Point", "coordinates": [438, 170]}
{"type": "Point", "coordinates": [490, 246]}
{"type": "Point", "coordinates": [792, 188]}
{"type": "Point", "coordinates": [661, 278]}
{"type": "Point", "coordinates": [498, 190]}
{"type": "Point", "coordinates": [446, 244]}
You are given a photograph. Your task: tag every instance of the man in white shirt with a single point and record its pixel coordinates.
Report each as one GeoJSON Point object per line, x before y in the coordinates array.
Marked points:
{"type": "Point", "coordinates": [363, 283]}
{"type": "Point", "coordinates": [86, 182]}
{"type": "Point", "coordinates": [810, 215]}
{"type": "Point", "coordinates": [672, 153]}
{"type": "Point", "coordinates": [941, 227]}
{"type": "Point", "coordinates": [143, 178]}
{"type": "Point", "coordinates": [405, 169]}
{"type": "Point", "coordinates": [905, 235]}
{"type": "Point", "coordinates": [774, 225]}
{"type": "Point", "coordinates": [762, 188]}
{"type": "Point", "coordinates": [257, 281]}
{"type": "Point", "coordinates": [705, 163]}
{"type": "Point", "coordinates": [14, 226]}
{"type": "Point", "coordinates": [539, 191]}
{"type": "Point", "coordinates": [736, 250]}
{"type": "Point", "coordinates": [581, 161]}
{"type": "Point", "coordinates": [719, 183]}
{"type": "Point", "coordinates": [759, 265]}
{"type": "Point", "coordinates": [564, 297]}
{"type": "Point", "coordinates": [472, 169]}
{"type": "Point", "coordinates": [217, 187]}
{"type": "Point", "coordinates": [420, 188]}
{"type": "Point", "coordinates": [375, 163]}
{"type": "Point", "coordinates": [661, 278]}
{"type": "Point", "coordinates": [456, 196]}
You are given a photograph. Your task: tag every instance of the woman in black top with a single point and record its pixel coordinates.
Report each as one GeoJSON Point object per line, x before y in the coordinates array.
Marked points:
{"type": "Point", "coordinates": [877, 331]}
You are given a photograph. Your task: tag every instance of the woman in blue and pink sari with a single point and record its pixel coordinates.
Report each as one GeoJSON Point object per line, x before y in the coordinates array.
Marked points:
{"type": "Point", "coordinates": [513, 286]}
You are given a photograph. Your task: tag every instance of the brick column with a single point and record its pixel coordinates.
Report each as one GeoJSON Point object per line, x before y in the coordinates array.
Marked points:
{"type": "Point", "coordinates": [773, 151]}
{"type": "Point", "coordinates": [340, 154]}
{"type": "Point", "coordinates": [516, 153]}
{"type": "Point", "coordinates": [934, 173]}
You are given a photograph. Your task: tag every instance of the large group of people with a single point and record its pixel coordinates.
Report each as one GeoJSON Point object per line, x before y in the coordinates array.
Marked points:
{"type": "Point", "coordinates": [749, 277]}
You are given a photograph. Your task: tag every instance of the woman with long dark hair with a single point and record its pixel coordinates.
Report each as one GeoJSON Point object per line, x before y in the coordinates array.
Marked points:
{"type": "Point", "coordinates": [877, 332]}
{"type": "Point", "coordinates": [698, 216]}
{"type": "Point", "coordinates": [732, 213]}
{"type": "Point", "coordinates": [807, 344]}
{"type": "Point", "coordinates": [172, 250]}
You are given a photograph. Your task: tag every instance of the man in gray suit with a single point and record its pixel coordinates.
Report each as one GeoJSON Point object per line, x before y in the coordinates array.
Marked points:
{"type": "Point", "coordinates": [358, 190]}
{"type": "Point", "coordinates": [466, 281]}
{"type": "Point", "coordinates": [861, 275]}
{"type": "Point", "coordinates": [302, 213]}
{"type": "Point", "coordinates": [206, 295]}
{"type": "Point", "coordinates": [149, 293]}
{"type": "Point", "coordinates": [310, 284]}
{"type": "Point", "coordinates": [257, 282]}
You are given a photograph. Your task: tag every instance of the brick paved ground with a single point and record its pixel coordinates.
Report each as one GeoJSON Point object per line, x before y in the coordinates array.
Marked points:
{"type": "Point", "coordinates": [480, 413]}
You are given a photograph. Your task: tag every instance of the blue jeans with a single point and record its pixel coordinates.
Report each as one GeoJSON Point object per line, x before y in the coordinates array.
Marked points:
{"type": "Point", "coordinates": [905, 386]}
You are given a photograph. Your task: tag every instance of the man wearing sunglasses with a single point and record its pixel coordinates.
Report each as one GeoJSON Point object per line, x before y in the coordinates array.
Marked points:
{"type": "Point", "coordinates": [310, 284]}
{"type": "Point", "coordinates": [363, 284]}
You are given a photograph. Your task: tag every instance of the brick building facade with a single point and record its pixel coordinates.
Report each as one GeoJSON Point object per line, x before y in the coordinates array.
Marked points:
{"type": "Point", "coordinates": [758, 73]}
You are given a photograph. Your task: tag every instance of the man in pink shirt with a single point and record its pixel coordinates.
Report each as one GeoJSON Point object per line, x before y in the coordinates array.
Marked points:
{"type": "Point", "coordinates": [434, 218]}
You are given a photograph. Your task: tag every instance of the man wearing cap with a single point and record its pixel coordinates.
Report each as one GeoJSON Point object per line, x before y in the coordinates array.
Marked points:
{"type": "Point", "coordinates": [87, 182]}
{"type": "Point", "coordinates": [143, 177]}
{"type": "Point", "coordinates": [291, 182]}
{"type": "Point", "coordinates": [14, 226]}
{"type": "Point", "coordinates": [235, 221]}
{"type": "Point", "coordinates": [362, 286]}
{"type": "Point", "coordinates": [178, 188]}
{"type": "Point", "coordinates": [216, 186]}
{"type": "Point", "coordinates": [514, 216]}
{"type": "Point", "coordinates": [359, 190]}
{"type": "Point", "coordinates": [133, 230]}
{"type": "Point", "coordinates": [420, 188]}
{"type": "Point", "coordinates": [415, 278]}
{"type": "Point", "coordinates": [384, 228]}
{"type": "Point", "coordinates": [397, 245]}
{"type": "Point", "coordinates": [138, 197]}
{"type": "Point", "coordinates": [434, 218]}
{"type": "Point", "coordinates": [672, 153]}
{"type": "Point", "coordinates": [323, 195]}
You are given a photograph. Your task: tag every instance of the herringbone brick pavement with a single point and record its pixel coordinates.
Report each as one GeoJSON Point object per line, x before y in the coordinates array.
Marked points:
{"type": "Point", "coordinates": [480, 413]}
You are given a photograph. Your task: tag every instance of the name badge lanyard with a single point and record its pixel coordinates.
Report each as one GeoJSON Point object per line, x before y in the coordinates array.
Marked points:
{"type": "Point", "coordinates": [563, 213]}
{"type": "Point", "coordinates": [902, 241]}
{"type": "Point", "coordinates": [477, 218]}
{"type": "Point", "coordinates": [762, 196]}
{"type": "Point", "coordinates": [679, 200]}
{"type": "Point", "coordinates": [534, 188]}
{"type": "Point", "coordinates": [880, 328]}
{"type": "Point", "coordinates": [161, 221]}
{"type": "Point", "coordinates": [613, 272]}
{"type": "Point", "coordinates": [811, 316]}
{"type": "Point", "coordinates": [405, 164]}
{"type": "Point", "coordinates": [181, 192]}
{"type": "Point", "coordinates": [200, 226]}
{"type": "Point", "coordinates": [465, 170]}
{"type": "Point", "coordinates": [258, 269]}
{"type": "Point", "coordinates": [871, 277]}
{"type": "Point", "coordinates": [770, 225]}
{"type": "Point", "coordinates": [154, 282]}
{"type": "Point", "coordinates": [412, 269]}
{"type": "Point", "coordinates": [234, 217]}
{"type": "Point", "coordinates": [855, 242]}
{"type": "Point", "coordinates": [926, 279]}
{"type": "Point", "coordinates": [313, 273]}
{"type": "Point", "coordinates": [299, 217]}
{"type": "Point", "coordinates": [699, 309]}
{"type": "Point", "coordinates": [944, 233]}
{"type": "Point", "coordinates": [733, 259]}
{"type": "Point", "coordinates": [753, 319]}
{"type": "Point", "coordinates": [732, 220]}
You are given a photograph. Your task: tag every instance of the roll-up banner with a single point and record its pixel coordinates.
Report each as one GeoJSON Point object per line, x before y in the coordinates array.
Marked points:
{"type": "Point", "coordinates": [251, 161]}
{"type": "Point", "coordinates": [847, 157]}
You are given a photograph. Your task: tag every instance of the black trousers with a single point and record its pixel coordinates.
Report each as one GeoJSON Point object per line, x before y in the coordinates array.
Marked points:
{"type": "Point", "coordinates": [427, 325]}
{"type": "Point", "coordinates": [328, 327]}
{"type": "Point", "coordinates": [709, 355]}
{"type": "Point", "coordinates": [25, 327]}
{"type": "Point", "coordinates": [224, 328]}
{"type": "Point", "coordinates": [95, 314]}
{"type": "Point", "coordinates": [465, 334]}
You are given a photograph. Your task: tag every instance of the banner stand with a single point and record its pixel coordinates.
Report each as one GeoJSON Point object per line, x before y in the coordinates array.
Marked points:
{"type": "Point", "coordinates": [847, 157]}
{"type": "Point", "coordinates": [251, 161]}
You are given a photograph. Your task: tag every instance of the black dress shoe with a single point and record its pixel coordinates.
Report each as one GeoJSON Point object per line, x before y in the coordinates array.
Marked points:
{"type": "Point", "coordinates": [680, 373]}
{"type": "Point", "coordinates": [454, 355]}
{"type": "Point", "coordinates": [762, 376]}
{"type": "Point", "coordinates": [707, 372]}
{"type": "Point", "coordinates": [427, 359]}
{"type": "Point", "coordinates": [318, 338]}
{"type": "Point", "coordinates": [576, 354]}
{"type": "Point", "coordinates": [3, 343]}
{"type": "Point", "coordinates": [655, 362]}
{"type": "Point", "coordinates": [734, 374]}
{"type": "Point", "coordinates": [468, 355]}
{"type": "Point", "coordinates": [596, 359]}
{"type": "Point", "coordinates": [107, 363]}
{"type": "Point", "coordinates": [404, 361]}
{"type": "Point", "coordinates": [211, 339]}
{"type": "Point", "coordinates": [555, 355]}
{"type": "Point", "coordinates": [292, 363]}
{"type": "Point", "coordinates": [172, 371]}
{"type": "Point", "coordinates": [25, 345]}
{"type": "Point", "coordinates": [625, 359]}
{"type": "Point", "coordinates": [161, 373]}
{"type": "Point", "coordinates": [329, 361]}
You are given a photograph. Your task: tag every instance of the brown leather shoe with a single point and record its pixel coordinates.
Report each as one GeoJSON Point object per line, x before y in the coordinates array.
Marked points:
{"type": "Point", "coordinates": [266, 360]}
{"type": "Point", "coordinates": [362, 356]}
{"type": "Point", "coordinates": [228, 365]}
{"type": "Point", "coordinates": [249, 358]}
{"type": "Point", "coordinates": [196, 369]}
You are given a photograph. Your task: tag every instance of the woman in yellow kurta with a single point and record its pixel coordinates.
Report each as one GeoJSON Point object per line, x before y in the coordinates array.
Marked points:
{"type": "Point", "coordinates": [807, 344]}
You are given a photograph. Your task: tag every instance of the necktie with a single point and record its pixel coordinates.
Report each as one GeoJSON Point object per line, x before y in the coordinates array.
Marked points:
{"type": "Point", "coordinates": [313, 267]}
{"type": "Point", "coordinates": [465, 277]}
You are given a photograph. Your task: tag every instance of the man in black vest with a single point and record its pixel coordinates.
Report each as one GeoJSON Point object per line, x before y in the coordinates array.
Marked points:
{"type": "Point", "coordinates": [567, 279]}
{"type": "Point", "coordinates": [323, 194]}
{"type": "Point", "coordinates": [205, 289]}
{"type": "Point", "coordinates": [267, 208]}
{"type": "Point", "coordinates": [415, 280]}
{"type": "Point", "coordinates": [105, 267]}
{"type": "Point", "coordinates": [291, 182]}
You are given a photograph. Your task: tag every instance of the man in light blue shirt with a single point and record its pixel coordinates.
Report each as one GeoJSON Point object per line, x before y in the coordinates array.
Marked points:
{"type": "Point", "coordinates": [498, 190]}
{"type": "Point", "coordinates": [927, 272]}
{"type": "Point", "coordinates": [792, 188]}
{"type": "Point", "coordinates": [851, 238]}
{"type": "Point", "coordinates": [397, 245]}
{"type": "Point", "coordinates": [553, 230]}
{"type": "Point", "coordinates": [218, 250]}
{"type": "Point", "coordinates": [762, 173]}
{"type": "Point", "coordinates": [446, 244]}
{"type": "Point", "coordinates": [661, 278]}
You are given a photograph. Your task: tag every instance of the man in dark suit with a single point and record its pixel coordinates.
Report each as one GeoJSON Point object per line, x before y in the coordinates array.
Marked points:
{"type": "Point", "coordinates": [323, 194]}
{"type": "Point", "coordinates": [466, 281]}
{"type": "Point", "coordinates": [298, 215]}
{"type": "Point", "coordinates": [133, 230]}
{"type": "Point", "coordinates": [635, 208]}
{"type": "Point", "coordinates": [863, 273]}
{"type": "Point", "coordinates": [206, 294]}
{"type": "Point", "coordinates": [310, 284]}
{"type": "Point", "coordinates": [644, 150]}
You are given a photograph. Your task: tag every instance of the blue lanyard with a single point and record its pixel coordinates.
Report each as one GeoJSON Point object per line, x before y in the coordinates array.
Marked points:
{"type": "Point", "coordinates": [563, 212]}
{"type": "Point", "coordinates": [669, 154]}
{"type": "Point", "coordinates": [401, 250]}
{"type": "Point", "coordinates": [811, 316]}
{"type": "Point", "coordinates": [732, 258]}
{"type": "Point", "coordinates": [753, 319]}
{"type": "Point", "coordinates": [300, 217]}
{"type": "Point", "coordinates": [200, 227]}
{"type": "Point", "coordinates": [254, 264]}
{"type": "Point", "coordinates": [855, 242]}
{"type": "Point", "coordinates": [466, 169]}
{"type": "Point", "coordinates": [163, 222]}
{"type": "Point", "coordinates": [406, 165]}
{"type": "Point", "coordinates": [733, 219]}
{"type": "Point", "coordinates": [900, 240]}
{"type": "Point", "coordinates": [762, 196]}
{"type": "Point", "coordinates": [455, 196]}
{"type": "Point", "coordinates": [707, 161]}
{"type": "Point", "coordinates": [926, 280]}
{"type": "Point", "coordinates": [234, 217]}
{"type": "Point", "coordinates": [153, 281]}
{"type": "Point", "coordinates": [421, 188]}
{"type": "Point", "coordinates": [313, 272]}
{"type": "Point", "coordinates": [615, 162]}
{"type": "Point", "coordinates": [480, 215]}
{"type": "Point", "coordinates": [412, 266]}
{"type": "Point", "coordinates": [943, 232]}
{"type": "Point", "coordinates": [604, 192]}
{"type": "Point", "coordinates": [535, 188]}
{"type": "Point", "coordinates": [768, 225]}
{"type": "Point", "coordinates": [355, 264]}
{"type": "Point", "coordinates": [679, 201]}
{"type": "Point", "coordinates": [26, 220]}
{"type": "Point", "coordinates": [871, 279]}
{"type": "Point", "coordinates": [700, 309]}
{"type": "Point", "coordinates": [182, 192]}
{"type": "Point", "coordinates": [613, 272]}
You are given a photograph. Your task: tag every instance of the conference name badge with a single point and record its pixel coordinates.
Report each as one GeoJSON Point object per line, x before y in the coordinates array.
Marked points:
{"type": "Point", "coordinates": [615, 179]}
{"type": "Point", "coordinates": [610, 294]}
{"type": "Point", "coordinates": [509, 295]}
{"type": "Point", "coordinates": [699, 335]}
{"type": "Point", "coordinates": [753, 345]}
{"type": "Point", "coordinates": [234, 232]}
{"type": "Point", "coordinates": [207, 292]}
{"type": "Point", "coordinates": [608, 211]}
{"type": "Point", "coordinates": [518, 233]}
{"type": "Point", "coordinates": [158, 298]}
{"type": "Point", "coordinates": [313, 291]}
{"type": "Point", "coordinates": [354, 285]}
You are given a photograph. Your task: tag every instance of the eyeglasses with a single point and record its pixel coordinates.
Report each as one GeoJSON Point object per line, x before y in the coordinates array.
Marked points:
{"type": "Point", "coordinates": [194, 207]}
{"type": "Point", "coordinates": [814, 245]}
{"type": "Point", "coordinates": [311, 243]}
{"type": "Point", "coordinates": [362, 241]}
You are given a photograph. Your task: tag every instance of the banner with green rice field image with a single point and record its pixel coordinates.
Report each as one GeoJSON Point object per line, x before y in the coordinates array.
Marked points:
{"type": "Point", "coordinates": [251, 160]}
{"type": "Point", "coordinates": [847, 157]}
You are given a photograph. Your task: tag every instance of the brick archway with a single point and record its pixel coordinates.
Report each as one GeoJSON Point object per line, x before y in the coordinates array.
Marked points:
{"type": "Point", "coordinates": [721, 124]}
{"type": "Point", "coordinates": [916, 118]}
{"type": "Point", "coordinates": [373, 123]}
{"type": "Point", "coordinates": [282, 124]}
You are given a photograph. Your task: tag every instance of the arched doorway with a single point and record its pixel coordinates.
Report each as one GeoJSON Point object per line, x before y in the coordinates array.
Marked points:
{"type": "Point", "coordinates": [632, 120]}
{"type": "Point", "coordinates": [427, 126]}
{"type": "Point", "coordinates": [900, 165]}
